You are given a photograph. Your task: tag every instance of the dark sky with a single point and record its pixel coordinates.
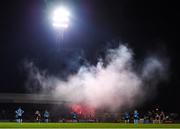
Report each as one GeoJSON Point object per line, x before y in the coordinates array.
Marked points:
{"type": "Point", "coordinates": [147, 26]}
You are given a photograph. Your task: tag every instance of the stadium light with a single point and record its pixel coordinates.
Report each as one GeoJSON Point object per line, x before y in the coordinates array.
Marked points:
{"type": "Point", "coordinates": [60, 18]}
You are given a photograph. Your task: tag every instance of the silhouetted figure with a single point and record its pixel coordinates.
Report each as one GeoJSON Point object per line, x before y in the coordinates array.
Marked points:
{"type": "Point", "coordinates": [37, 116]}
{"type": "Point", "coordinates": [126, 117]}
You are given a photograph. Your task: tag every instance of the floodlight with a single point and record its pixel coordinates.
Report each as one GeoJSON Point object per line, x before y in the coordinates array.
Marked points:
{"type": "Point", "coordinates": [61, 18]}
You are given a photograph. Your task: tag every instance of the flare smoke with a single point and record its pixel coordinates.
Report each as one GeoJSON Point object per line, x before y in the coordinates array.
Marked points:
{"type": "Point", "coordinates": [113, 85]}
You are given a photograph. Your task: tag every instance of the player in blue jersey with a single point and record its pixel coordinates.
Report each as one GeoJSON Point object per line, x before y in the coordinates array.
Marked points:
{"type": "Point", "coordinates": [19, 112]}
{"type": "Point", "coordinates": [46, 116]}
{"type": "Point", "coordinates": [136, 117]}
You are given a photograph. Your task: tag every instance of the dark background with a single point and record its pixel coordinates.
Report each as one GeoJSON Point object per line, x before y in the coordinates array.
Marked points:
{"type": "Point", "coordinates": [147, 26]}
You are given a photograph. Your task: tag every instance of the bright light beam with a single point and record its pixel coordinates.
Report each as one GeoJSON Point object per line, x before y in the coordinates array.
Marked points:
{"type": "Point", "coordinates": [61, 18]}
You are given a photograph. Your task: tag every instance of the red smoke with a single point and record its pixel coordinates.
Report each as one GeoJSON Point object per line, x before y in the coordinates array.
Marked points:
{"type": "Point", "coordinates": [83, 110]}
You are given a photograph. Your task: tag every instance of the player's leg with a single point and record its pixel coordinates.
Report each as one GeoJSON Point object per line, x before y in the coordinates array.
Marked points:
{"type": "Point", "coordinates": [20, 119]}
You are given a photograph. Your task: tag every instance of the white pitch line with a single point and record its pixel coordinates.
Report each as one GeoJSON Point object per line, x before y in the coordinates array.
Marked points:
{"type": "Point", "coordinates": [89, 128]}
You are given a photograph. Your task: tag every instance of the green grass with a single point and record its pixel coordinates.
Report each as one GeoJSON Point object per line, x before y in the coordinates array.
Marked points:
{"type": "Point", "coordinates": [84, 125]}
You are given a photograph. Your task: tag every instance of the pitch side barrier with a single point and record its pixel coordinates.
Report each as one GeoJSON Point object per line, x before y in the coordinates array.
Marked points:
{"type": "Point", "coordinates": [31, 98]}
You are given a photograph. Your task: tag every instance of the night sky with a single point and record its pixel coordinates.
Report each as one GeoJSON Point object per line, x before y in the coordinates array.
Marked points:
{"type": "Point", "coordinates": [27, 34]}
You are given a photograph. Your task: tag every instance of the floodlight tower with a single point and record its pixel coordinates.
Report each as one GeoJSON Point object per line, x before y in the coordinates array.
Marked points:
{"type": "Point", "coordinates": [60, 21]}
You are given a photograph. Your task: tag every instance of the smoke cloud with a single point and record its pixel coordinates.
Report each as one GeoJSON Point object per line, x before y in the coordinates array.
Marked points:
{"type": "Point", "coordinates": [113, 83]}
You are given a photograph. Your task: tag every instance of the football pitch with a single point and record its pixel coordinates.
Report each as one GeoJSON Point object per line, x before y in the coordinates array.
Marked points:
{"type": "Point", "coordinates": [14, 125]}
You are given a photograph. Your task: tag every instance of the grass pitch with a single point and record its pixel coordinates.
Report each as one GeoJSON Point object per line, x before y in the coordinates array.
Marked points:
{"type": "Point", "coordinates": [84, 125]}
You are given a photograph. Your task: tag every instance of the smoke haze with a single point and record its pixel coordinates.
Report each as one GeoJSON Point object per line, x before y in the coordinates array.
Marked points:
{"type": "Point", "coordinates": [112, 85]}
